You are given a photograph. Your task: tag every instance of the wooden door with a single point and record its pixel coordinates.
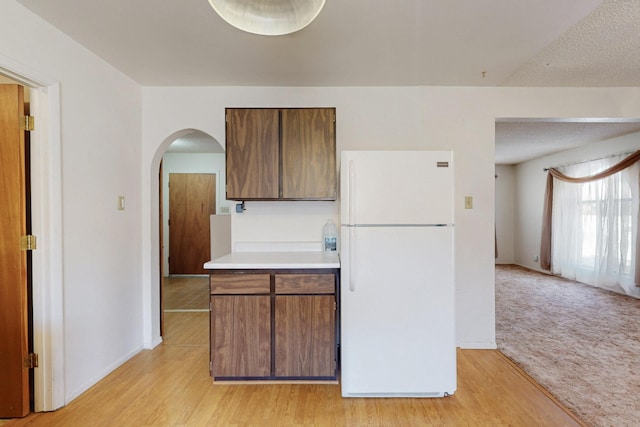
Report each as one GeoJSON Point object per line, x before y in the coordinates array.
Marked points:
{"type": "Point", "coordinates": [192, 199]}
{"type": "Point", "coordinates": [14, 338]}
{"type": "Point", "coordinates": [252, 153]}
{"type": "Point", "coordinates": [240, 336]}
{"type": "Point", "coordinates": [308, 153]}
{"type": "Point", "coordinates": [161, 231]}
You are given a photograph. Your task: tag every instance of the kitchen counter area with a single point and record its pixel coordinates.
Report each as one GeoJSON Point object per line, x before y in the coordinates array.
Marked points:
{"type": "Point", "coordinates": [274, 316]}
{"type": "Point", "coordinates": [270, 260]}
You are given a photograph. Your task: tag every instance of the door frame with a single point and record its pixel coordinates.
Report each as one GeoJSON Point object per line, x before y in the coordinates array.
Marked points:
{"type": "Point", "coordinates": [46, 202]}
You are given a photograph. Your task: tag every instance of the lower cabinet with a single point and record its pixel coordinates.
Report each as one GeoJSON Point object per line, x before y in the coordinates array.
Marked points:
{"type": "Point", "coordinates": [305, 336]}
{"type": "Point", "coordinates": [241, 336]}
{"type": "Point", "coordinates": [274, 324]}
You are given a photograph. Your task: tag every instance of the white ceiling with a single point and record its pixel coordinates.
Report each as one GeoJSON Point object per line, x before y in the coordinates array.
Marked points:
{"type": "Point", "coordinates": [195, 142]}
{"type": "Point", "coordinates": [372, 43]}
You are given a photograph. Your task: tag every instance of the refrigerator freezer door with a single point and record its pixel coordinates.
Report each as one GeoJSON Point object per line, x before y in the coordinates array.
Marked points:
{"type": "Point", "coordinates": [397, 312]}
{"type": "Point", "coordinates": [396, 187]}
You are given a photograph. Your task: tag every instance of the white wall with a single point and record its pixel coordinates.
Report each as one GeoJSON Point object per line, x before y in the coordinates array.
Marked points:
{"type": "Point", "coordinates": [461, 119]}
{"type": "Point", "coordinates": [531, 183]}
{"type": "Point", "coordinates": [192, 163]}
{"type": "Point", "coordinates": [97, 124]}
{"type": "Point", "coordinates": [505, 213]}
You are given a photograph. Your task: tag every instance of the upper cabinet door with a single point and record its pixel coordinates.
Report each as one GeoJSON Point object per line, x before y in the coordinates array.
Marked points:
{"type": "Point", "coordinates": [281, 154]}
{"type": "Point", "coordinates": [308, 153]}
{"type": "Point", "coordinates": [252, 147]}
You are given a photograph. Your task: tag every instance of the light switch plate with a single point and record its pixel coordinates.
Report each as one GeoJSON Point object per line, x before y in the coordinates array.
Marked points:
{"type": "Point", "coordinates": [468, 202]}
{"type": "Point", "coordinates": [120, 203]}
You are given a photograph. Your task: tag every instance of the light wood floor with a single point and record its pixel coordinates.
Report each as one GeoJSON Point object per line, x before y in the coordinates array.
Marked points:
{"type": "Point", "coordinates": [186, 293]}
{"type": "Point", "coordinates": [170, 386]}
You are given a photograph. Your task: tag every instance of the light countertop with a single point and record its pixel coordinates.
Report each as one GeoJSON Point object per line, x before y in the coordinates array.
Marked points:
{"type": "Point", "coordinates": [274, 260]}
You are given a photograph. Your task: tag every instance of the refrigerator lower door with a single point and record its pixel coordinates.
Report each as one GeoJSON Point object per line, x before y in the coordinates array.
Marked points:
{"type": "Point", "coordinates": [397, 312]}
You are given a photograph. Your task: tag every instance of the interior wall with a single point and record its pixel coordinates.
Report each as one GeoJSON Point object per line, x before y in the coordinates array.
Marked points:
{"type": "Point", "coordinates": [192, 163]}
{"type": "Point", "coordinates": [391, 118]}
{"type": "Point", "coordinates": [505, 213]}
{"type": "Point", "coordinates": [531, 183]}
{"type": "Point", "coordinates": [99, 129]}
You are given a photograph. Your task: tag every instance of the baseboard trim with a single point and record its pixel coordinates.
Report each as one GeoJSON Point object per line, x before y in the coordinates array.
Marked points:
{"type": "Point", "coordinates": [478, 346]}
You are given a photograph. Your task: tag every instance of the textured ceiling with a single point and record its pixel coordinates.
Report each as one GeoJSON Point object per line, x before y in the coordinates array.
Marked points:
{"type": "Point", "coordinates": [601, 50]}
{"type": "Point", "coordinates": [521, 140]}
{"type": "Point", "coordinates": [555, 43]}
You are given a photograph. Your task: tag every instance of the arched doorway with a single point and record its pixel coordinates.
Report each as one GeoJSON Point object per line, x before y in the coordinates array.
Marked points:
{"type": "Point", "coordinates": [194, 164]}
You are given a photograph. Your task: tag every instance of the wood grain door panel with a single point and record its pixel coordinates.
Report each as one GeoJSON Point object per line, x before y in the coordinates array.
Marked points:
{"type": "Point", "coordinates": [192, 200]}
{"type": "Point", "coordinates": [305, 283]}
{"type": "Point", "coordinates": [240, 284]}
{"type": "Point", "coordinates": [14, 342]}
{"type": "Point", "coordinates": [241, 336]}
{"type": "Point", "coordinates": [308, 153]}
{"type": "Point", "coordinates": [252, 153]}
{"type": "Point", "coordinates": [305, 336]}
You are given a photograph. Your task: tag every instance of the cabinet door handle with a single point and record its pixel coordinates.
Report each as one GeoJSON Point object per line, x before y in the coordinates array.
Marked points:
{"type": "Point", "coordinates": [352, 193]}
{"type": "Point", "coordinates": [352, 259]}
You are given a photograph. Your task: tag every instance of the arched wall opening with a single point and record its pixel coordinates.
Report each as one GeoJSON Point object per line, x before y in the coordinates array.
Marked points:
{"type": "Point", "coordinates": [193, 151]}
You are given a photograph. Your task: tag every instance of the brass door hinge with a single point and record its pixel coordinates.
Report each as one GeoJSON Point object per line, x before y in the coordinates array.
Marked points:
{"type": "Point", "coordinates": [28, 123]}
{"type": "Point", "coordinates": [28, 242]}
{"type": "Point", "coordinates": [31, 361]}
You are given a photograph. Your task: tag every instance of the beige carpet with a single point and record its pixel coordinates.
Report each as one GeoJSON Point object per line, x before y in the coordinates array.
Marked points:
{"type": "Point", "coordinates": [580, 342]}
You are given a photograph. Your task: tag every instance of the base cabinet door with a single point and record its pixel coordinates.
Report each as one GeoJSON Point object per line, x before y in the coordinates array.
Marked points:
{"type": "Point", "coordinates": [240, 336]}
{"type": "Point", "coordinates": [274, 324]}
{"type": "Point", "coordinates": [305, 336]}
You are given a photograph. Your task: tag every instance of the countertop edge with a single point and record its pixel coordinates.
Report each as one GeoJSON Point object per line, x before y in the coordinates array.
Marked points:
{"type": "Point", "coordinates": [274, 260]}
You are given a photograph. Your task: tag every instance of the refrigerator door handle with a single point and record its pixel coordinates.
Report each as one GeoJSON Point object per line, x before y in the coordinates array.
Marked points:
{"type": "Point", "coordinates": [352, 193]}
{"type": "Point", "coordinates": [352, 259]}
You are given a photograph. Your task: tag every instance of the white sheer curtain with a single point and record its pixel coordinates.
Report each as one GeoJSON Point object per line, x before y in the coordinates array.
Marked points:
{"type": "Point", "coordinates": [594, 227]}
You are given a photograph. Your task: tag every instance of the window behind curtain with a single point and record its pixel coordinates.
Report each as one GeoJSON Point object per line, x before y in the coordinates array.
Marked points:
{"type": "Point", "coordinates": [594, 227]}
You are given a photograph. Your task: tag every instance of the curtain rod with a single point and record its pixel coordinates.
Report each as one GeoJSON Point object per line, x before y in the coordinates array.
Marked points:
{"type": "Point", "coordinates": [591, 160]}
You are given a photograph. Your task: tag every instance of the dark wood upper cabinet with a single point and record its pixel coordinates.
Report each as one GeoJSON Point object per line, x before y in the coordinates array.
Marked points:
{"type": "Point", "coordinates": [308, 153]}
{"type": "Point", "coordinates": [252, 147]}
{"type": "Point", "coordinates": [281, 154]}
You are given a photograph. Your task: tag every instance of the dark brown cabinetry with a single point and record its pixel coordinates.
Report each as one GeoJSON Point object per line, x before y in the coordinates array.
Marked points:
{"type": "Point", "coordinates": [281, 154]}
{"type": "Point", "coordinates": [274, 324]}
{"type": "Point", "coordinates": [305, 329]}
{"type": "Point", "coordinates": [240, 325]}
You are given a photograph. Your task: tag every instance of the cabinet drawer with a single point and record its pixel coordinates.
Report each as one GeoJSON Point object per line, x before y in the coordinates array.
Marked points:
{"type": "Point", "coordinates": [305, 284]}
{"type": "Point", "coordinates": [240, 284]}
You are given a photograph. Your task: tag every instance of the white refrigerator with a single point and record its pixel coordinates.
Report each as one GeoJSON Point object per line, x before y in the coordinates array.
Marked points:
{"type": "Point", "coordinates": [397, 274]}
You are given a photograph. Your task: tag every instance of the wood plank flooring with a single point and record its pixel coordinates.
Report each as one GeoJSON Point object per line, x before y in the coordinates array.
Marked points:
{"type": "Point", "coordinates": [170, 386]}
{"type": "Point", "coordinates": [186, 293]}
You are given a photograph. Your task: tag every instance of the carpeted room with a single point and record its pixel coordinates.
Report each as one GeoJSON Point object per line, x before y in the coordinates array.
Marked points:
{"type": "Point", "coordinates": [578, 341]}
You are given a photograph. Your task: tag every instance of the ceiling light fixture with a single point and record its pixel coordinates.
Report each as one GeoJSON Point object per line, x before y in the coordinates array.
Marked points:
{"type": "Point", "coordinates": [268, 17]}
